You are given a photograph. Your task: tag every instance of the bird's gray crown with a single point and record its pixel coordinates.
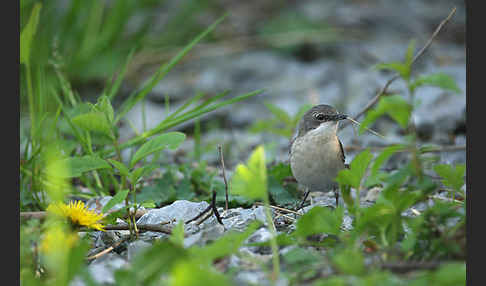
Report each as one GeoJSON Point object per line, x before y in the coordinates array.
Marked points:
{"type": "Point", "coordinates": [316, 116]}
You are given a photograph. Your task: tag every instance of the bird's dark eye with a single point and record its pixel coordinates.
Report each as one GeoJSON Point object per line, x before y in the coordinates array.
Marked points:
{"type": "Point", "coordinates": [319, 116]}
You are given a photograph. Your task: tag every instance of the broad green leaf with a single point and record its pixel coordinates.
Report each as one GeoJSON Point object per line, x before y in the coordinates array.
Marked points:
{"type": "Point", "coordinates": [191, 273]}
{"type": "Point", "coordinates": [124, 171]}
{"type": "Point", "coordinates": [27, 34]}
{"type": "Point", "coordinates": [93, 121]}
{"type": "Point", "coordinates": [349, 261]}
{"type": "Point", "coordinates": [282, 194]}
{"type": "Point", "coordinates": [157, 260]}
{"type": "Point", "coordinates": [354, 175]}
{"type": "Point", "coordinates": [451, 177]}
{"type": "Point", "coordinates": [320, 220]}
{"type": "Point", "coordinates": [79, 165]}
{"type": "Point", "coordinates": [118, 198]}
{"type": "Point", "coordinates": [226, 245]}
{"type": "Point", "coordinates": [394, 105]}
{"type": "Point", "coordinates": [170, 140]}
{"type": "Point", "coordinates": [441, 80]}
{"type": "Point", "coordinates": [385, 154]}
{"type": "Point", "coordinates": [251, 180]}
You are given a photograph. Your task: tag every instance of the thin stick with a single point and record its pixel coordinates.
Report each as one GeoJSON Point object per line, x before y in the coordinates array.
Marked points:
{"type": "Point", "coordinates": [212, 208]}
{"type": "Point", "coordinates": [415, 58]}
{"type": "Point", "coordinates": [368, 129]}
{"type": "Point", "coordinates": [224, 177]}
{"type": "Point", "coordinates": [215, 210]}
{"type": "Point", "coordinates": [141, 227]}
{"type": "Point", "coordinates": [199, 215]}
{"type": "Point", "coordinates": [279, 208]}
{"type": "Point", "coordinates": [115, 245]}
{"type": "Point", "coordinates": [210, 213]}
{"type": "Point", "coordinates": [283, 215]}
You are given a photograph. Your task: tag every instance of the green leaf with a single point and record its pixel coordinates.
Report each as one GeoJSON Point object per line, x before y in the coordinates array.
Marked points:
{"type": "Point", "coordinates": [177, 236]}
{"type": "Point", "coordinates": [79, 165]}
{"type": "Point", "coordinates": [76, 260]}
{"type": "Point", "coordinates": [394, 105]}
{"type": "Point", "coordinates": [27, 34]}
{"type": "Point", "coordinates": [399, 67]}
{"type": "Point", "coordinates": [376, 176]}
{"type": "Point", "coordinates": [93, 121]}
{"type": "Point", "coordinates": [354, 175]}
{"type": "Point", "coordinates": [451, 177]}
{"type": "Point", "coordinates": [384, 155]}
{"type": "Point", "coordinates": [403, 69]}
{"type": "Point", "coordinates": [124, 171]}
{"type": "Point", "coordinates": [282, 194]}
{"type": "Point", "coordinates": [320, 220]}
{"type": "Point", "coordinates": [251, 180]}
{"type": "Point", "coordinates": [170, 140]}
{"type": "Point", "coordinates": [119, 78]}
{"type": "Point", "coordinates": [441, 80]}
{"type": "Point", "coordinates": [349, 261]}
{"type": "Point", "coordinates": [118, 198]}
{"type": "Point", "coordinates": [451, 273]}
{"type": "Point", "coordinates": [156, 260]}
{"type": "Point", "coordinates": [190, 273]}
{"type": "Point", "coordinates": [104, 105]}
{"type": "Point", "coordinates": [224, 246]}
{"type": "Point", "coordinates": [149, 204]}
{"type": "Point", "coordinates": [409, 57]}
{"type": "Point", "coordinates": [137, 174]}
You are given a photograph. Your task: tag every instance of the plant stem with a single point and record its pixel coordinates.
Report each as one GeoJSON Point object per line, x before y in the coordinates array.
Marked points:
{"type": "Point", "coordinates": [273, 241]}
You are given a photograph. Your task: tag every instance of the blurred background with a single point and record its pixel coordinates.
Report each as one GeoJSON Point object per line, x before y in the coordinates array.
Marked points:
{"type": "Point", "coordinates": [301, 52]}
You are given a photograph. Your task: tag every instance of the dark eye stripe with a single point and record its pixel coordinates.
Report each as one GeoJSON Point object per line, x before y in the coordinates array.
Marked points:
{"type": "Point", "coordinates": [319, 116]}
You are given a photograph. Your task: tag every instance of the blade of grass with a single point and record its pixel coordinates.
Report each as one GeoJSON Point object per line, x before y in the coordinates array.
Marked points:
{"type": "Point", "coordinates": [185, 117]}
{"type": "Point", "coordinates": [162, 71]}
{"type": "Point", "coordinates": [188, 116]}
{"type": "Point", "coordinates": [116, 86]}
{"type": "Point", "coordinates": [194, 99]}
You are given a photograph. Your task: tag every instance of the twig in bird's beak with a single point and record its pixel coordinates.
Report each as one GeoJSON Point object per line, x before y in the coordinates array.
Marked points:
{"type": "Point", "coordinates": [370, 130]}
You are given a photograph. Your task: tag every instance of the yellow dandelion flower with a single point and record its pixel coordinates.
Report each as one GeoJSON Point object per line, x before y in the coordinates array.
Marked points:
{"type": "Point", "coordinates": [56, 238]}
{"type": "Point", "coordinates": [78, 214]}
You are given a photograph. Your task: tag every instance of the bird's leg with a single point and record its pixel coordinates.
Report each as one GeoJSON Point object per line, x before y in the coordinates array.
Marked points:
{"type": "Point", "coordinates": [307, 191]}
{"type": "Point", "coordinates": [336, 195]}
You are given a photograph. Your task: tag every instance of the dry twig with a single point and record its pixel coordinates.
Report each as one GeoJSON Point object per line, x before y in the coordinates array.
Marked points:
{"type": "Point", "coordinates": [224, 177]}
{"type": "Point", "coordinates": [115, 245]}
{"type": "Point", "coordinates": [383, 91]}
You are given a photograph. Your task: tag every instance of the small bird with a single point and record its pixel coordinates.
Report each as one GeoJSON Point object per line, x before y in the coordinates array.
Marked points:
{"type": "Point", "coordinates": [316, 153]}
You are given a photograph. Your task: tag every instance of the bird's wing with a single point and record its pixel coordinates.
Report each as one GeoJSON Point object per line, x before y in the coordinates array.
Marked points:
{"type": "Point", "coordinates": [342, 153]}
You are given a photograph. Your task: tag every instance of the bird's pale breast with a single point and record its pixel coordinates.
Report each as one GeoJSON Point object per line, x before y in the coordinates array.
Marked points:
{"type": "Point", "coordinates": [315, 160]}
